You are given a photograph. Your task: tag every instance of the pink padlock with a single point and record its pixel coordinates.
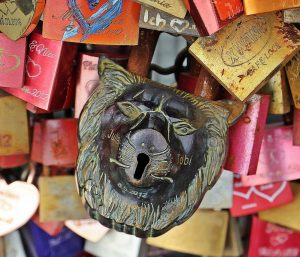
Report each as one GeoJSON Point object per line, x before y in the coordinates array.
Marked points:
{"type": "Point", "coordinates": [12, 62]}
{"type": "Point", "coordinates": [88, 77]}
{"type": "Point", "coordinates": [279, 159]}
{"type": "Point", "coordinates": [245, 137]}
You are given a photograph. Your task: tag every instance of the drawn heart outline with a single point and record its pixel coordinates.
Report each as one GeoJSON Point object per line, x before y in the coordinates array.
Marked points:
{"type": "Point", "coordinates": [6, 60]}
{"type": "Point", "coordinates": [254, 190]}
{"type": "Point", "coordinates": [179, 25]}
{"type": "Point", "coordinates": [36, 71]}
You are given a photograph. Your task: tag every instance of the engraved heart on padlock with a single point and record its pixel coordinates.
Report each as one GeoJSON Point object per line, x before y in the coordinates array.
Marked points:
{"type": "Point", "coordinates": [8, 62]}
{"type": "Point", "coordinates": [97, 22]}
{"type": "Point", "coordinates": [20, 17]}
{"type": "Point", "coordinates": [33, 69]}
{"type": "Point", "coordinates": [18, 202]}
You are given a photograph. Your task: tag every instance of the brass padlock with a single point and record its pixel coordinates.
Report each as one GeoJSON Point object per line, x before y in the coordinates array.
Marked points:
{"type": "Point", "coordinates": [148, 153]}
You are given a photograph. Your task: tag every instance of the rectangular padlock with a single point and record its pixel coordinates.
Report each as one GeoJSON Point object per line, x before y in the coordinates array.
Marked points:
{"type": "Point", "coordinates": [268, 239]}
{"type": "Point", "coordinates": [258, 6]}
{"type": "Point", "coordinates": [12, 62]}
{"type": "Point", "coordinates": [234, 244]}
{"type": "Point", "coordinates": [277, 88]}
{"type": "Point", "coordinates": [14, 137]}
{"type": "Point", "coordinates": [66, 243]}
{"type": "Point", "coordinates": [55, 192]}
{"type": "Point", "coordinates": [286, 215]}
{"type": "Point", "coordinates": [220, 196]}
{"type": "Point", "coordinates": [13, 161]}
{"type": "Point", "coordinates": [248, 52]}
{"type": "Point", "coordinates": [88, 78]}
{"type": "Point", "coordinates": [296, 127]}
{"type": "Point", "coordinates": [55, 142]}
{"type": "Point", "coordinates": [94, 22]}
{"type": "Point", "coordinates": [49, 74]}
{"type": "Point", "coordinates": [293, 75]}
{"type": "Point", "coordinates": [243, 154]}
{"type": "Point", "coordinates": [278, 160]}
{"type": "Point", "coordinates": [197, 229]}
{"type": "Point", "coordinates": [155, 19]}
{"type": "Point", "coordinates": [210, 15]}
{"type": "Point", "coordinates": [173, 7]}
{"type": "Point", "coordinates": [250, 200]}
{"type": "Point", "coordinates": [115, 244]}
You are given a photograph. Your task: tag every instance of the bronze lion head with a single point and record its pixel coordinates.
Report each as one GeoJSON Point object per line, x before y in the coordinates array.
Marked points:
{"type": "Point", "coordinates": [148, 153]}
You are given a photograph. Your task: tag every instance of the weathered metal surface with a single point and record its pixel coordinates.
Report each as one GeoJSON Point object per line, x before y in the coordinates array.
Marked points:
{"type": "Point", "coordinates": [151, 18]}
{"type": "Point", "coordinates": [248, 52]}
{"type": "Point", "coordinates": [148, 153]}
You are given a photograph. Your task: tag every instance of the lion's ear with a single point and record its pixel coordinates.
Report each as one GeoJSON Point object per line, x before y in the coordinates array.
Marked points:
{"type": "Point", "coordinates": [114, 75]}
{"type": "Point", "coordinates": [235, 109]}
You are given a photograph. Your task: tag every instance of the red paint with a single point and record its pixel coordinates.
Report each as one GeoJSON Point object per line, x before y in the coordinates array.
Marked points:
{"type": "Point", "coordinates": [55, 142]}
{"type": "Point", "coordinates": [13, 161]}
{"type": "Point", "coordinates": [270, 240]}
{"type": "Point", "coordinates": [212, 15]}
{"type": "Point", "coordinates": [12, 62]}
{"type": "Point", "coordinates": [245, 137]}
{"type": "Point", "coordinates": [249, 200]}
{"type": "Point", "coordinates": [49, 74]}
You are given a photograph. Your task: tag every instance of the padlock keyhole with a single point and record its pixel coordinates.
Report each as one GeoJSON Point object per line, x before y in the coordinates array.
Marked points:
{"type": "Point", "coordinates": [143, 160]}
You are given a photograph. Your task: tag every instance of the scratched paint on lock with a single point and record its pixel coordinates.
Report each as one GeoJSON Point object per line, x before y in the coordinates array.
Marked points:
{"type": "Point", "coordinates": [92, 21]}
{"type": "Point", "coordinates": [155, 19]}
{"type": "Point", "coordinates": [248, 52]}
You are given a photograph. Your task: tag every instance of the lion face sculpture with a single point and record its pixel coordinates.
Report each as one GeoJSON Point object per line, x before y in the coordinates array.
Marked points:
{"type": "Point", "coordinates": [148, 153]}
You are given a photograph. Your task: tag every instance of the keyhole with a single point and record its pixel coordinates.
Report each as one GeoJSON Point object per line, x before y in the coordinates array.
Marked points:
{"type": "Point", "coordinates": [143, 160]}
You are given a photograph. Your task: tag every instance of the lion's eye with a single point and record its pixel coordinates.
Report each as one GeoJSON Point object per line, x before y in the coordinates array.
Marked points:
{"type": "Point", "coordinates": [183, 128]}
{"type": "Point", "coordinates": [129, 109]}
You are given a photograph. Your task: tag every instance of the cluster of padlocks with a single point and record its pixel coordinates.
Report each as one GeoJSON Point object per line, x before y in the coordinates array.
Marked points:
{"type": "Point", "coordinates": [95, 156]}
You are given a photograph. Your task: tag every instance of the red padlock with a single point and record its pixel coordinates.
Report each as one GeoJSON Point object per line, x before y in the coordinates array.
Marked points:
{"type": "Point", "coordinates": [245, 137]}
{"type": "Point", "coordinates": [55, 142]}
{"type": "Point", "coordinates": [49, 74]}
{"type": "Point", "coordinates": [250, 200]}
{"type": "Point", "coordinates": [268, 239]}
{"type": "Point", "coordinates": [210, 15]}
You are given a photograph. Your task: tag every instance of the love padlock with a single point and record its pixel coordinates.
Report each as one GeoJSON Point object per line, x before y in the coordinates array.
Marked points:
{"type": "Point", "coordinates": [144, 126]}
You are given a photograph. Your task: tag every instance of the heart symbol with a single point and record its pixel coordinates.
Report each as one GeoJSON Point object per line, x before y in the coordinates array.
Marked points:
{"type": "Point", "coordinates": [8, 62]}
{"type": "Point", "coordinates": [254, 190]}
{"type": "Point", "coordinates": [88, 229]}
{"type": "Point", "coordinates": [33, 69]}
{"type": "Point", "coordinates": [99, 21]}
{"type": "Point", "coordinates": [19, 17]}
{"type": "Point", "coordinates": [179, 25]}
{"type": "Point", "coordinates": [279, 239]}
{"type": "Point", "coordinates": [18, 202]}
